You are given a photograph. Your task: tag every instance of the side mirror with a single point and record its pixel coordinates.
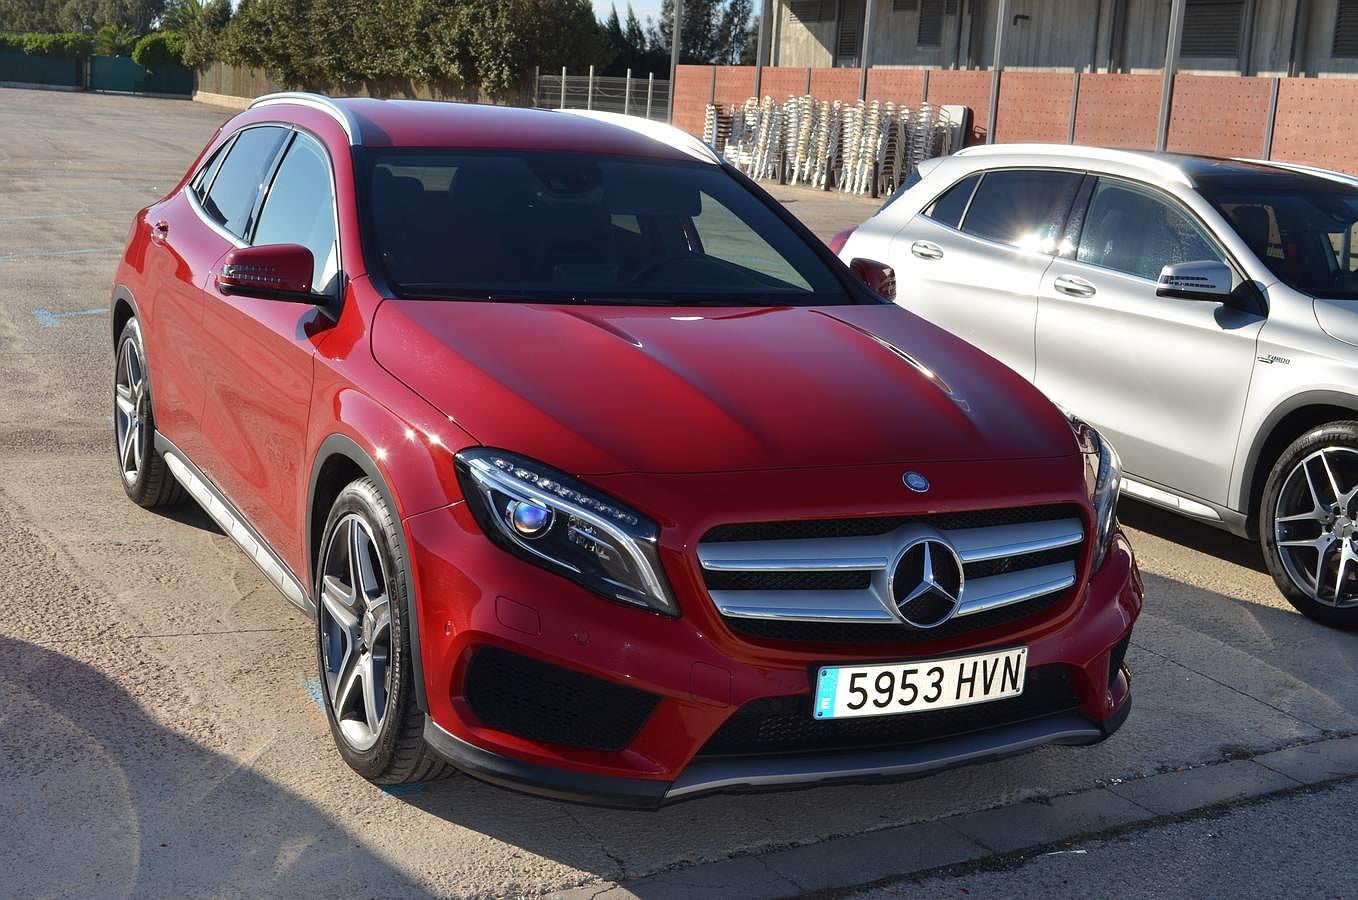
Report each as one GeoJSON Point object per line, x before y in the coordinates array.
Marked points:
{"type": "Point", "coordinates": [1206, 279]}
{"type": "Point", "coordinates": [878, 276]}
{"type": "Point", "coordinates": [269, 272]}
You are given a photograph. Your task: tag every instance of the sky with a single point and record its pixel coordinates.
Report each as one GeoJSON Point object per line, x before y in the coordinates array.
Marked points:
{"type": "Point", "coordinates": [644, 8]}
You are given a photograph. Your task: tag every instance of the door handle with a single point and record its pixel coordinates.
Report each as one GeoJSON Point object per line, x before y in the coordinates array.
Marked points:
{"type": "Point", "coordinates": [161, 230]}
{"type": "Point", "coordinates": [926, 250]}
{"type": "Point", "coordinates": [1073, 286]}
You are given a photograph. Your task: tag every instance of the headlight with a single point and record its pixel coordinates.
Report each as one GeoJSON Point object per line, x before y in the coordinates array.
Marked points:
{"type": "Point", "coordinates": [1103, 480]}
{"type": "Point", "coordinates": [563, 525]}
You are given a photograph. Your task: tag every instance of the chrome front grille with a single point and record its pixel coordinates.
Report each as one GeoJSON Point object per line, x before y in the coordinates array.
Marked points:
{"type": "Point", "coordinates": [838, 571]}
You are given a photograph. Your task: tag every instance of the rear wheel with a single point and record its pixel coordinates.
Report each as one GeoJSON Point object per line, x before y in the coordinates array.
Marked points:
{"type": "Point", "coordinates": [145, 476]}
{"type": "Point", "coordinates": [1309, 524]}
{"type": "Point", "coordinates": [363, 647]}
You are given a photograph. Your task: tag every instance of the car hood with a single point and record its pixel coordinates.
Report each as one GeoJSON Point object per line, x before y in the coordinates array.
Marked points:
{"type": "Point", "coordinates": [601, 390]}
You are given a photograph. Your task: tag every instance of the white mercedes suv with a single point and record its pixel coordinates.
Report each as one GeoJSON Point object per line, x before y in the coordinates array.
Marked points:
{"type": "Point", "coordinates": [1201, 313]}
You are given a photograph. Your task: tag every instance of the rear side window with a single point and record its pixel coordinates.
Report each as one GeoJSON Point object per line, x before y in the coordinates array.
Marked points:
{"type": "Point", "coordinates": [1025, 209]}
{"type": "Point", "coordinates": [300, 209]}
{"type": "Point", "coordinates": [209, 171]}
{"type": "Point", "coordinates": [948, 208]}
{"type": "Point", "coordinates": [231, 199]}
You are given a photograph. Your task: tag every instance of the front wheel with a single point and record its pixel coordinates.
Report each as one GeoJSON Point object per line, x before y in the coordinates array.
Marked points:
{"type": "Point", "coordinates": [363, 647]}
{"type": "Point", "coordinates": [1308, 524]}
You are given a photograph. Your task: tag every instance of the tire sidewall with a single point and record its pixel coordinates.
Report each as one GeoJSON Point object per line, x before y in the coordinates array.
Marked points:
{"type": "Point", "coordinates": [137, 489]}
{"type": "Point", "coordinates": [363, 499]}
{"type": "Point", "coordinates": [1333, 434]}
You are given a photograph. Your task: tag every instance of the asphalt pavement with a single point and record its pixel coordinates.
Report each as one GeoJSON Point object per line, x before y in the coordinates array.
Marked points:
{"type": "Point", "coordinates": [160, 733]}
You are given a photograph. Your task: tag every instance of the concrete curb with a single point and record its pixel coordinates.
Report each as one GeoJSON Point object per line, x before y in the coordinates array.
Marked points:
{"type": "Point", "coordinates": [899, 852]}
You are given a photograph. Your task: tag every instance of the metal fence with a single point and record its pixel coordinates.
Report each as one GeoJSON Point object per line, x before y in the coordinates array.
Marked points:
{"type": "Point", "coordinates": [632, 95]}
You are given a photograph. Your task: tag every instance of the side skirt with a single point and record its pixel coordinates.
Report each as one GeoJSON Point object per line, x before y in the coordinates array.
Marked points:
{"type": "Point", "coordinates": [1163, 497]}
{"type": "Point", "coordinates": [230, 520]}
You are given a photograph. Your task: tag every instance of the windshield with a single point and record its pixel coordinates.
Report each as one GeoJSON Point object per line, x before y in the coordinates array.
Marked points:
{"type": "Point", "coordinates": [1305, 237]}
{"type": "Point", "coordinates": [571, 228]}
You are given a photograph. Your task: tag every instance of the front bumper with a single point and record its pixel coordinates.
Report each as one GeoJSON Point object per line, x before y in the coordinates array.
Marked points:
{"type": "Point", "coordinates": [473, 596]}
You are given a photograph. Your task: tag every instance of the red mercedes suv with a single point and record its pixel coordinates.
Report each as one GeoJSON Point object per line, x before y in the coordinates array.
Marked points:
{"type": "Point", "coordinates": [599, 475]}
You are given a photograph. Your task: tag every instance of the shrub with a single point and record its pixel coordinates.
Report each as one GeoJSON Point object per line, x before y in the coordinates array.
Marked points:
{"type": "Point", "coordinates": [159, 48]}
{"type": "Point", "coordinates": [59, 44]}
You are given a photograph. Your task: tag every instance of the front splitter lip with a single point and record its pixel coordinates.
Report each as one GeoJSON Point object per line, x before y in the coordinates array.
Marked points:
{"type": "Point", "coordinates": [704, 777]}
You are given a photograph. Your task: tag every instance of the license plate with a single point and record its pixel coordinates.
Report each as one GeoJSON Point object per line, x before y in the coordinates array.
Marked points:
{"type": "Point", "coordinates": [843, 692]}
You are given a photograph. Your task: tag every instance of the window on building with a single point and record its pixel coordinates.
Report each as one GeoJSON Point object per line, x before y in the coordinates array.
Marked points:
{"type": "Point", "coordinates": [850, 24]}
{"type": "Point", "coordinates": [813, 10]}
{"type": "Point", "coordinates": [930, 31]}
{"type": "Point", "coordinates": [1346, 29]}
{"type": "Point", "coordinates": [1212, 27]}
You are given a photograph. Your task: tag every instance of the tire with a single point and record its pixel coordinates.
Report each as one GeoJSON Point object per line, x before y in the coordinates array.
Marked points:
{"type": "Point", "coordinates": [1308, 524]}
{"type": "Point", "coordinates": [362, 643]}
{"type": "Point", "coordinates": [145, 477]}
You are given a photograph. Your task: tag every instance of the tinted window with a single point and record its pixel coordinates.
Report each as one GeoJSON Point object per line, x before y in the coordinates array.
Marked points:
{"type": "Point", "coordinates": [1025, 209]}
{"type": "Point", "coordinates": [910, 181]}
{"type": "Point", "coordinates": [507, 225]}
{"type": "Point", "coordinates": [1136, 231]}
{"type": "Point", "coordinates": [300, 209]}
{"type": "Point", "coordinates": [231, 198]}
{"type": "Point", "coordinates": [204, 180]}
{"type": "Point", "coordinates": [948, 208]}
{"type": "Point", "coordinates": [1307, 237]}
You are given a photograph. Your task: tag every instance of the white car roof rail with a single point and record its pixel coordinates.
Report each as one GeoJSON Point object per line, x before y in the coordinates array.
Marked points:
{"type": "Point", "coordinates": [1146, 161]}
{"type": "Point", "coordinates": [657, 131]}
{"type": "Point", "coordinates": [314, 101]}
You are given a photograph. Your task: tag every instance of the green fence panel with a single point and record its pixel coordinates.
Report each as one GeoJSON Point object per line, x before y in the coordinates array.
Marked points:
{"type": "Point", "coordinates": [58, 71]}
{"type": "Point", "coordinates": [120, 73]}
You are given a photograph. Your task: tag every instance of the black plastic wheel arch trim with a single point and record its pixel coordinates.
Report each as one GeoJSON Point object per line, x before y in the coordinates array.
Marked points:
{"type": "Point", "coordinates": [340, 445]}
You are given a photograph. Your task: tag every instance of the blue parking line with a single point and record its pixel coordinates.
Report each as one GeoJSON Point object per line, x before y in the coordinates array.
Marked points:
{"type": "Point", "coordinates": [39, 254]}
{"type": "Point", "coordinates": [402, 790]}
{"type": "Point", "coordinates": [48, 319]}
{"type": "Point", "coordinates": [313, 686]}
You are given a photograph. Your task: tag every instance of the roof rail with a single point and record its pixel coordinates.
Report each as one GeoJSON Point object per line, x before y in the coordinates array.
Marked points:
{"type": "Point", "coordinates": [321, 102]}
{"type": "Point", "coordinates": [1144, 160]}
{"type": "Point", "coordinates": [1331, 174]}
{"type": "Point", "coordinates": [657, 131]}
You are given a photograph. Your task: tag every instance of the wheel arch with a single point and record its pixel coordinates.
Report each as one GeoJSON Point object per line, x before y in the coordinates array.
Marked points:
{"type": "Point", "coordinates": [340, 460]}
{"type": "Point", "coordinates": [123, 308]}
{"type": "Point", "coordinates": [1288, 421]}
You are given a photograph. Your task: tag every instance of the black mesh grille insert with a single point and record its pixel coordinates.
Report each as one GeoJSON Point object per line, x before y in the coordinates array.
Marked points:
{"type": "Point", "coordinates": [787, 581]}
{"type": "Point", "coordinates": [784, 725]}
{"type": "Point", "coordinates": [542, 702]}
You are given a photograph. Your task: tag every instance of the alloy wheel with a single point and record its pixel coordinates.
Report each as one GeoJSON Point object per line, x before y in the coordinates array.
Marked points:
{"type": "Point", "coordinates": [355, 631]}
{"type": "Point", "coordinates": [1316, 526]}
{"type": "Point", "coordinates": [131, 410]}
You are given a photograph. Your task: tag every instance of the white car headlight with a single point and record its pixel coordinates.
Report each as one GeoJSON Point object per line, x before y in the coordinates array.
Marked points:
{"type": "Point", "coordinates": [557, 522]}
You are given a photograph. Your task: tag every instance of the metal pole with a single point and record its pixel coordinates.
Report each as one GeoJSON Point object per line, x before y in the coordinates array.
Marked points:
{"type": "Point", "coordinates": [1094, 48]}
{"type": "Point", "coordinates": [563, 87]}
{"type": "Point", "coordinates": [589, 94]}
{"type": "Point", "coordinates": [1272, 118]}
{"type": "Point", "coordinates": [1074, 107]}
{"type": "Point", "coordinates": [761, 50]}
{"type": "Point", "coordinates": [863, 47]}
{"type": "Point", "coordinates": [996, 64]}
{"type": "Point", "coordinates": [676, 38]}
{"type": "Point", "coordinates": [537, 85]}
{"type": "Point", "coordinates": [650, 92]}
{"type": "Point", "coordinates": [627, 95]}
{"type": "Point", "coordinates": [1294, 54]}
{"type": "Point", "coordinates": [1176, 34]}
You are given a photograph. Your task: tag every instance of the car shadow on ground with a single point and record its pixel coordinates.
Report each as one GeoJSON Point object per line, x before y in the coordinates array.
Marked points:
{"type": "Point", "coordinates": [99, 799]}
{"type": "Point", "coordinates": [191, 514]}
{"type": "Point", "coordinates": [1196, 535]}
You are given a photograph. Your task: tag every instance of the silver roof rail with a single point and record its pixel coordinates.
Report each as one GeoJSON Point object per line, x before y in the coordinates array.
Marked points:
{"type": "Point", "coordinates": [314, 101]}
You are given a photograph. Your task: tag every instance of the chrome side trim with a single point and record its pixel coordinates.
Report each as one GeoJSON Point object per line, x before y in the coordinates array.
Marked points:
{"type": "Point", "coordinates": [1168, 499]}
{"type": "Point", "coordinates": [229, 519]}
{"type": "Point", "coordinates": [320, 102]}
